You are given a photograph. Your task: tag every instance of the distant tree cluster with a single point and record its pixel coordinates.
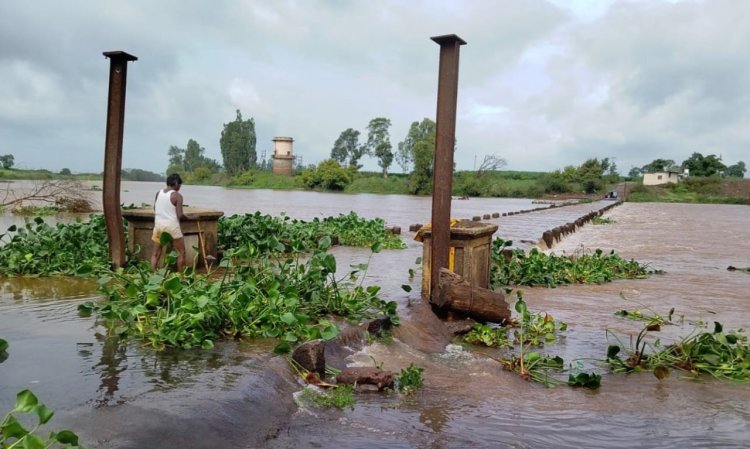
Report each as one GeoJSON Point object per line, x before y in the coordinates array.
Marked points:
{"type": "Point", "coordinates": [589, 177]}
{"type": "Point", "coordinates": [136, 174]}
{"type": "Point", "coordinates": [7, 161]}
{"type": "Point", "coordinates": [238, 145]}
{"type": "Point", "coordinates": [348, 150]}
{"type": "Point", "coordinates": [417, 149]}
{"type": "Point", "coordinates": [697, 165]}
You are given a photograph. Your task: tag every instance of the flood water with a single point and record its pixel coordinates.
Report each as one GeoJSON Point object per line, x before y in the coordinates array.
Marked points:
{"type": "Point", "coordinates": [238, 395]}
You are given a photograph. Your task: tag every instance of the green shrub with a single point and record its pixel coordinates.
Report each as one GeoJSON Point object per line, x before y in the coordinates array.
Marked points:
{"type": "Point", "coordinates": [329, 175]}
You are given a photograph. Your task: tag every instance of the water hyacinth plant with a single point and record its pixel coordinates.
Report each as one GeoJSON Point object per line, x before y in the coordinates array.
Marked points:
{"type": "Point", "coordinates": [514, 267]}
{"type": "Point", "coordinates": [299, 235]}
{"type": "Point", "coordinates": [256, 295]}
{"type": "Point", "coordinates": [718, 353]}
{"type": "Point", "coordinates": [39, 249]}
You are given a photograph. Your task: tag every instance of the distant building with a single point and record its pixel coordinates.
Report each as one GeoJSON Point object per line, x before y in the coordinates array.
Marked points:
{"type": "Point", "coordinates": [283, 158]}
{"type": "Point", "coordinates": [662, 177]}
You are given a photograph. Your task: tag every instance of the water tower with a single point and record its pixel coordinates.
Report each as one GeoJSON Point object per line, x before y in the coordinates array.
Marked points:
{"type": "Point", "coordinates": [283, 158]}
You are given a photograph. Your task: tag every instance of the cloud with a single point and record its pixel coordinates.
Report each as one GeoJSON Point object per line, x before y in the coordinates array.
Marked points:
{"type": "Point", "coordinates": [542, 84]}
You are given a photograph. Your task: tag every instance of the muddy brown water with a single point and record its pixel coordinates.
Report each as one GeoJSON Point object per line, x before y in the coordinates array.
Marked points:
{"type": "Point", "coordinates": [237, 395]}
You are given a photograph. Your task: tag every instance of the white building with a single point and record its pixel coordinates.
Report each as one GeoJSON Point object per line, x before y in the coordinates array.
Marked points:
{"type": "Point", "coordinates": [661, 177]}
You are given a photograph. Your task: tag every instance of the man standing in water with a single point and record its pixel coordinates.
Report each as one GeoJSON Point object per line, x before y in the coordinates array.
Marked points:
{"type": "Point", "coordinates": [167, 216]}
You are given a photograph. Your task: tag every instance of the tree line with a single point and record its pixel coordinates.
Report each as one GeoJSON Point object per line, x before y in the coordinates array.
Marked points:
{"type": "Point", "coordinates": [697, 165]}
{"type": "Point", "coordinates": [417, 150]}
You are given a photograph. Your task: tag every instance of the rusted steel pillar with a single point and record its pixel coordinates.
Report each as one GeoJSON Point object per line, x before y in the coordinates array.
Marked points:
{"type": "Point", "coordinates": [118, 75]}
{"type": "Point", "coordinates": [442, 178]}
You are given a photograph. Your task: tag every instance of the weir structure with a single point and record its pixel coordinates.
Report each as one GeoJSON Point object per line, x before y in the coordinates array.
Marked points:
{"type": "Point", "coordinates": [118, 75]}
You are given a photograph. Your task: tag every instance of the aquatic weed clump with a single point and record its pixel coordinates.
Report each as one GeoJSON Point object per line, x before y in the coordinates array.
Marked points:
{"type": "Point", "coordinates": [255, 295]}
{"type": "Point", "coordinates": [38, 249]}
{"type": "Point", "coordinates": [718, 353]}
{"type": "Point", "coordinates": [514, 267]}
{"type": "Point", "coordinates": [284, 234]}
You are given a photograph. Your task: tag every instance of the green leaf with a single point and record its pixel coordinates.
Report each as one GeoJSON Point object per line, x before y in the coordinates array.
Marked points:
{"type": "Point", "coordinates": [26, 401]}
{"type": "Point", "coordinates": [38, 220]}
{"type": "Point", "coordinates": [165, 239]}
{"type": "Point", "coordinates": [329, 263]}
{"type": "Point", "coordinates": [11, 428]}
{"type": "Point", "coordinates": [85, 309]}
{"type": "Point", "coordinates": [612, 351]}
{"type": "Point", "coordinates": [173, 284]}
{"type": "Point", "coordinates": [325, 242]}
{"type": "Point", "coordinates": [330, 332]}
{"type": "Point", "coordinates": [520, 306]}
{"type": "Point", "coordinates": [33, 442]}
{"type": "Point", "coordinates": [3, 345]}
{"type": "Point", "coordinates": [717, 327]}
{"type": "Point", "coordinates": [12, 228]}
{"type": "Point", "coordinates": [283, 348]}
{"type": "Point", "coordinates": [67, 437]}
{"type": "Point", "coordinates": [289, 318]}
{"type": "Point", "coordinates": [44, 413]}
{"type": "Point", "coordinates": [406, 287]}
{"type": "Point", "coordinates": [207, 344]}
{"type": "Point", "coordinates": [376, 247]}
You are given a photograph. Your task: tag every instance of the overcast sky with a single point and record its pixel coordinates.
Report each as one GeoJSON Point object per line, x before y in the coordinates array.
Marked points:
{"type": "Point", "coordinates": [543, 84]}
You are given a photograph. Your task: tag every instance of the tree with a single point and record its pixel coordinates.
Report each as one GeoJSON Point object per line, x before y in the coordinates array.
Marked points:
{"type": "Point", "coordinates": [329, 175]}
{"type": "Point", "coordinates": [491, 162]}
{"type": "Point", "coordinates": [67, 194]}
{"type": "Point", "coordinates": [379, 142]}
{"type": "Point", "coordinates": [736, 171]}
{"type": "Point", "coordinates": [65, 172]}
{"type": "Point", "coordinates": [238, 145]}
{"type": "Point", "coordinates": [176, 159]}
{"type": "Point", "coordinates": [420, 144]}
{"type": "Point", "coordinates": [635, 172]}
{"type": "Point", "coordinates": [7, 161]}
{"type": "Point", "coordinates": [658, 165]}
{"type": "Point", "coordinates": [193, 155]}
{"type": "Point", "coordinates": [347, 147]}
{"type": "Point", "coordinates": [404, 157]}
{"type": "Point", "coordinates": [700, 165]}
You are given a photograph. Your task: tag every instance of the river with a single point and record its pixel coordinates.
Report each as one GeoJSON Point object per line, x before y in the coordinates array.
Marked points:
{"type": "Point", "coordinates": [237, 395]}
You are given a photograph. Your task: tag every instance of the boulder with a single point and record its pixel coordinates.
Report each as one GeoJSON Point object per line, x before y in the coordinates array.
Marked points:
{"type": "Point", "coordinates": [311, 356]}
{"type": "Point", "coordinates": [366, 375]}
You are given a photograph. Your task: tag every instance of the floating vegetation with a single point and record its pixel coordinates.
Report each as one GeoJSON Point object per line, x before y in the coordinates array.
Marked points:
{"type": "Point", "coordinates": [256, 296]}
{"type": "Point", "coordinates": [28, 211]}
{"type": "Point", "coordinates": [731, 268]}
{"type": "Point", "coordinates": [513, 268]}
{"type": "Point", "coordinates": [38, 249]}
{"type": "Point", "coordinates": [530, 330]}
{"type": "Point", "coordinates": [299, 236]}
{"type": "Point", "coordinates": [341, 397]}
{"type": "Point", "coordinates": [410, 379]}
{"type": "Point", "coordinates": [723, 355]}
{"type": "Point", "coordinates": [597, 220]}
{"type": "Point", "coordinates": [492, 337]}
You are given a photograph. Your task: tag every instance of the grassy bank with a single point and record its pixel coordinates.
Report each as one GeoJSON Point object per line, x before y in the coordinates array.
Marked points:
{"type": "Point", "coordinates": [695, 190]}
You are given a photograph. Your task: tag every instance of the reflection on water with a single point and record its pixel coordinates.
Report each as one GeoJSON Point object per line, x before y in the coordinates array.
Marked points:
{"type": "Point", "coordinates": [237, 395]}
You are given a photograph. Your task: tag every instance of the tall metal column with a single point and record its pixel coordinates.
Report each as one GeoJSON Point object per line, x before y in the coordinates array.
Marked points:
{"type": "Point", "coordinates": [442, 178]}
{"type": "Point", "coordinates": [118, 75]}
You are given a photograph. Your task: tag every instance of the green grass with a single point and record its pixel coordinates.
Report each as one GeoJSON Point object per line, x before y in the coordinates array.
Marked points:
{"type": "Point", "coordinates": [394, 184]}
{"type": "Point", "coordinates": [688, 192]}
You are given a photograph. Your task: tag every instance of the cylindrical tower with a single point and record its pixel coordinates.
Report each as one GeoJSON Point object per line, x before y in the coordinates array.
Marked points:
{"type": "Point", "coordinates": [283, 159]}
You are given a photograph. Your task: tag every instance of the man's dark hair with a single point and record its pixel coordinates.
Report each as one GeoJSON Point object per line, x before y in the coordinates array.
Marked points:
{"type": "Point", "coordinates": [173, 180]}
